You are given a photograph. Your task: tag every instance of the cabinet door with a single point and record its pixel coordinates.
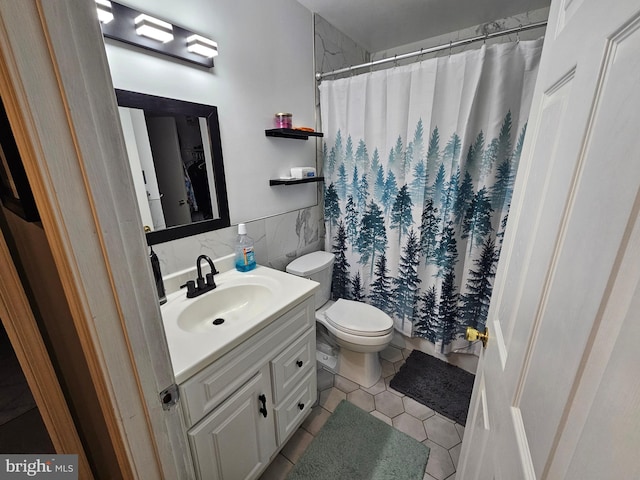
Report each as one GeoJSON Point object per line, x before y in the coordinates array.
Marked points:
{"type": "Point", "coordinates": [236, 440]}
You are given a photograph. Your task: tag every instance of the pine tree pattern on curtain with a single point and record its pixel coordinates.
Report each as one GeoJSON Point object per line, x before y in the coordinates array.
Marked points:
{"type": "Point", "coordinates": [414, 217]}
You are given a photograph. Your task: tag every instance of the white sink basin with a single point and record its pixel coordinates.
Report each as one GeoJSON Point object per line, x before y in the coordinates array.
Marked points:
{"type": "Point", "coordinates": [200, 330]}
{"type": "Point", "coordinates": [227, 303]}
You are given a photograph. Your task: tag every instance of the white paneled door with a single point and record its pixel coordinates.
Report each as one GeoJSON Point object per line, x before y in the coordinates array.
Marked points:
{"type": "Point", "coordinates": [557, 394]}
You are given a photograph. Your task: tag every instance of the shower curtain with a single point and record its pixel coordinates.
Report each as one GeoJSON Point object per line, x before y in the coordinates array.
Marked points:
{"type": "Point", "coordinates": [419, 166]}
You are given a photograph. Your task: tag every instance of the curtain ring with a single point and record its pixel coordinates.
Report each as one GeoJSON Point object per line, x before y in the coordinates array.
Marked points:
{"type": "Point", "coordinates": [518, 34]}
{"type": "Point", "coordinates": [450, 47]}
{"type": "Point", "coordinates": [420, 55]}
{"type": "Point", "coordinates": [484, 40]}
{"type": "Point", "coordinates": [395, 60]}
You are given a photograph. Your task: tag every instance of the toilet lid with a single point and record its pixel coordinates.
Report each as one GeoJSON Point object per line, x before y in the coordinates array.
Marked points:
{"type": "Point", "coordinates": [358, 318]}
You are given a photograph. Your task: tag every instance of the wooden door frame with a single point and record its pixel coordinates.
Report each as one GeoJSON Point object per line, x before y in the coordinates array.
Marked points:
{"type": "Point", "coordinates": [22, 329]}
{"type": "Point", "coordinates": [56, 86]}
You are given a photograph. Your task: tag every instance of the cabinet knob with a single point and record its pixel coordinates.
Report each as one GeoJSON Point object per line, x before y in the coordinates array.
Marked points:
{"type": "Point", "coordinates": [301, 406]}
{"type": "Point", "coordinates": [299, 363]}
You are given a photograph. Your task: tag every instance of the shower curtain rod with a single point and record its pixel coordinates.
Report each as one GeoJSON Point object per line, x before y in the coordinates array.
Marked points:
{"type": "Point", "coordinates": [422, 51]}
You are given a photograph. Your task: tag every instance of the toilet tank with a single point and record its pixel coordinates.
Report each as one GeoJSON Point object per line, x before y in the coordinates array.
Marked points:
{"type": "Point", "coordinates": [317, 266]}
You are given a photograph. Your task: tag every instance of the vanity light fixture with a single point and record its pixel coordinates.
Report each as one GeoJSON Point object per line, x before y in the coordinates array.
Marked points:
{"type": "Point", "coordinates": [150, 33]}
{"type": "Point", "coordinates": [151, 27]}
{"type": "Point", "coordinates": [202, 46]}
{"type": "Point", "coordinates": [105, 11]}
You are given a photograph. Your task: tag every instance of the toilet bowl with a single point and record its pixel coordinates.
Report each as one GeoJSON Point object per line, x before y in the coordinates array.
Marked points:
{"type": "Point", "coordinates": [359, 330]}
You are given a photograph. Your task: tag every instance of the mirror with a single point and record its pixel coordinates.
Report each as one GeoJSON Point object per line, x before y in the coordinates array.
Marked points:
{"type": "Point", "coordinates": [175, 155]}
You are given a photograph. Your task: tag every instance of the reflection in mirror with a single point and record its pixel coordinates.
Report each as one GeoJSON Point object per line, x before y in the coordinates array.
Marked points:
{"type": "Point", "coordinates": [175, 155]}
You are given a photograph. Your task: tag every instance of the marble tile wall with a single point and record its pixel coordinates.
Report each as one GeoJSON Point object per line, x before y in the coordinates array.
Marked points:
{"type": "Point", "coordinates": [524, 18]}
{"type": "Point", "coordinates": [333, 49]}
{"type": "Point", "coordinates": [278, 240]}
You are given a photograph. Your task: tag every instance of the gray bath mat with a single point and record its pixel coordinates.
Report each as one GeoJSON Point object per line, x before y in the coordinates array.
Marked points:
{"type": "Point", "coordinates": [355, 445]}
{"type": "Point", "coordinates": [440, 386]}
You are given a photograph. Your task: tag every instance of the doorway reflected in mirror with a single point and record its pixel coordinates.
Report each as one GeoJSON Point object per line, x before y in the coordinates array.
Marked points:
{"type": "Point", "coordinates": [176, 163]}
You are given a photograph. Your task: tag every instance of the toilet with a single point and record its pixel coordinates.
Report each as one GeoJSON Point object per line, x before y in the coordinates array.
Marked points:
{"type": "Point", "coordinates": [358, 330]}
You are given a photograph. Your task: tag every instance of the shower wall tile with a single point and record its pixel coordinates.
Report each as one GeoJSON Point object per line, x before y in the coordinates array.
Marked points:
{"type": "Point", "coordinates": [334, 49]}
{"type": "Point", "coordinates": [524, 18]}
{"type": "Point", "coordinates": [293, 234]}
{"type": "Point", "coordinates": [278, 240]}
{"type": "Point", "coordinates": [181, 254]}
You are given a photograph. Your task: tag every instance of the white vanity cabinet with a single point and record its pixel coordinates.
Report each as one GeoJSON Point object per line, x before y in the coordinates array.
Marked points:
{"type": "Point", "coordinates": [244, 406]}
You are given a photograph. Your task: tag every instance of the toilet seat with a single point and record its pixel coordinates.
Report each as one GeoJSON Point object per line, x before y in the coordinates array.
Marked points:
{"type": "Point", "coordinates": [357, 318]}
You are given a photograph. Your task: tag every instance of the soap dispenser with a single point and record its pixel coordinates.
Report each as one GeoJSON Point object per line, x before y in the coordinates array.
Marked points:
{"type": "Point", "coordinates": [157, 273]}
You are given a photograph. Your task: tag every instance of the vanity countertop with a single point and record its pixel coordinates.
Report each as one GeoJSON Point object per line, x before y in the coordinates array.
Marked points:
{"type": "Point", "coordinates": [246, 301]}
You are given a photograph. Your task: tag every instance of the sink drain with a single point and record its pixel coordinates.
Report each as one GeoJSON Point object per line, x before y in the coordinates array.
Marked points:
{"type": "Point", "coordinates": [218, 321]}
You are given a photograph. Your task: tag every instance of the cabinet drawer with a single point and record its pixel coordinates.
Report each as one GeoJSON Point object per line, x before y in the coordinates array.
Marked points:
{"type": "Point", "coordinates": [292, 365]}
{"type": "Point", "coordinates": [291, 412]}
{"type": "Point", "coordinates": [207, 389]}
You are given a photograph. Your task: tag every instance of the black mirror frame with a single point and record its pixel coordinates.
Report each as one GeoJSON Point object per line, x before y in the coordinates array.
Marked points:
{"type": "Point", "coordinates": [152, 103]}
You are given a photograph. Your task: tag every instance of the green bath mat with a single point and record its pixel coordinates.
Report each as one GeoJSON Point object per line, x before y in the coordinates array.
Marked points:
{"type": "Point", "coordinates": [355, 445]}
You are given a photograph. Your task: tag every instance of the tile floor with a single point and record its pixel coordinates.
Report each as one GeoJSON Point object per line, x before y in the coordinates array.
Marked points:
{"type": "Point", "coordinates": [441, 435]}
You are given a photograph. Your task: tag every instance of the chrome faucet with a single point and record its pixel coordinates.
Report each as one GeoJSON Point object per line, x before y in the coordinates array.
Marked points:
{"type": "Point", "coordinates": [201, 284]}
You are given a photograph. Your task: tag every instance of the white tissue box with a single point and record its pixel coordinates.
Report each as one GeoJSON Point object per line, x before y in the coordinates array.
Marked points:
{"type": "Point", "coordinates": [303, 172]}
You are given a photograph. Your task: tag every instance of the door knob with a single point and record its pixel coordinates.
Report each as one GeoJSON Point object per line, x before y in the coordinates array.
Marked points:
{"type": "Point", "coordinates": [472, 335]}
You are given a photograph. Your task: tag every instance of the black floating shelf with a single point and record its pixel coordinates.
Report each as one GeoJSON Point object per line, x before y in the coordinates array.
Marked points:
{"type": "Point", "coordinates": [292, 133]}
{"type": "Point", "coordinates": [296, 181]}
